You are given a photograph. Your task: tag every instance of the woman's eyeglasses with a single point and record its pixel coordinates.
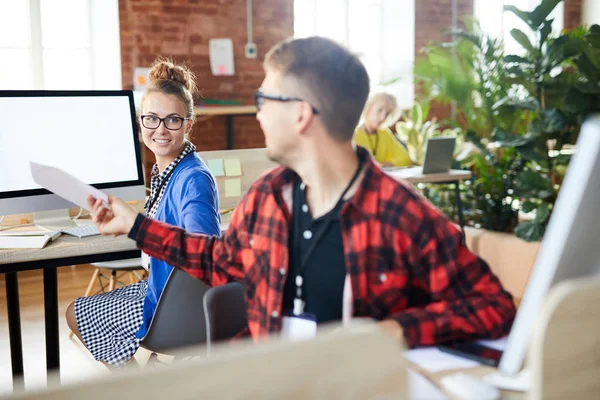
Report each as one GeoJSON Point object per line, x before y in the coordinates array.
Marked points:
{"type": "Point", "coordinates": [171, 123]}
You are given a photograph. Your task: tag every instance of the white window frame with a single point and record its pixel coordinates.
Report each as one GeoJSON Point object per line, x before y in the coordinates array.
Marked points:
{"type": "Point", "coordinates": [104, 48]}
{"type": "Point", "coordinates": [397, 52]}
{"type": "Point", "coordinates": [491, 16]}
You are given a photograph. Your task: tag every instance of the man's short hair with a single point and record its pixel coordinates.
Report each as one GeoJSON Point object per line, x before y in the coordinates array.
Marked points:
{"type": "Point", "coordinates": [334, 76]}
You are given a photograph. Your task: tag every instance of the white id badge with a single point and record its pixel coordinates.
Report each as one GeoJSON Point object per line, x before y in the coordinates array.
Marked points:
{"type": "Point", "coordinates": [299, 327]}
{"type": "Point", "coordinates": [145, 261]}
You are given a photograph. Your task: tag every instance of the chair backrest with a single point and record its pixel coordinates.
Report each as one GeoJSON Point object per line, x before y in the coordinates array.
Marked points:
{"type": "Point", "coordinates": [226, 312]}
{"type": "Point", "coordinates": [235, 171]}
{"type": "Point", "coordinates": [179, 318]}
{"type": "Point", "coordinates": [564, 355]}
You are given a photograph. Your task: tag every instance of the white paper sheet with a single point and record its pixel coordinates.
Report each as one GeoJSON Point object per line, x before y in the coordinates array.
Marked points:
{"type": "Point", "coordinates": [498, 344]}
{"type": "Point", "coordinates": [420, 388]}
{"type": "Point", "coordinates": [65, 185]}
{"type": "Point", "coordinates": [434, 360]}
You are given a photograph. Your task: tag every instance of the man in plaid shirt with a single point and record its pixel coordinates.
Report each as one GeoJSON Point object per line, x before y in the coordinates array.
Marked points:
{"type": "Point", "coordinates": [329, 233]}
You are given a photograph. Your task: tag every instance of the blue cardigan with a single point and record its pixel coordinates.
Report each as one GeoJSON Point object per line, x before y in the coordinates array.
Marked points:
{"type": "Point", "coordinates": [191, 201]}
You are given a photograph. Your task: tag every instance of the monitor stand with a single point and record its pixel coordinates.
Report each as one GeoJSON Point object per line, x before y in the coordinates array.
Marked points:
{"type": "Point", "coordinates": [54, 220]}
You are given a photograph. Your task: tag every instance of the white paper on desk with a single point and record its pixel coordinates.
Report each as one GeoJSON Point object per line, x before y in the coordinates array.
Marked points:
{"type": "Point", "coordinates": [497, 344]}
{"type": "Point", "coordinates": [432, 359]}
{"type": "Point", "coordinates": [65, 185]}
{"type": "Point", "coordinates": [421, 388]}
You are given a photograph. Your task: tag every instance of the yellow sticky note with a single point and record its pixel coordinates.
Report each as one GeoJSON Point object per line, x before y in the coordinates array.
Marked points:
{"type": "Point", "coordinates": [233, 187]}
{"type": "Point", "coordinates": [233, 167]}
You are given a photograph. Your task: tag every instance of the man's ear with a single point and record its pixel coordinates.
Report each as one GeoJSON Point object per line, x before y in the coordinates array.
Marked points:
{"type": "Point", "coordinates": [304, 117]}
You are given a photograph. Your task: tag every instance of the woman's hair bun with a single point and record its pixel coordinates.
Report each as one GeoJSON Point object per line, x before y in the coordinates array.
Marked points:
{"type": "Point", "coordinates": [166, 69]}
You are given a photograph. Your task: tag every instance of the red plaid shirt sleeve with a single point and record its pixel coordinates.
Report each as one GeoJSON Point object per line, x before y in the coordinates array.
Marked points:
{"type": "Point", "coordinates": [465, 299]}
{"type": "Point", "coordinates": [212, 259]}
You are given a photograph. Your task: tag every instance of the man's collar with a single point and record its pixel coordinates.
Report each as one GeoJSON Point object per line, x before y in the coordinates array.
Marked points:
{"type": "Point", "coordinates": [362, 200]}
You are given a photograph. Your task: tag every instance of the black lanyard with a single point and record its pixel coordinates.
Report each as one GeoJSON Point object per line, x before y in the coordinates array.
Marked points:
{"type": "Point", "coordinates": [301, 261]}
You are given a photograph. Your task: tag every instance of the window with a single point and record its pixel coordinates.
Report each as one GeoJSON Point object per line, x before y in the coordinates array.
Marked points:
{"type": "Point", "coordinates": [380, 32]}
{"type": "Point", "coordinates": [487, 11]}
{"type": "Point", "coordinates": [60, 44]}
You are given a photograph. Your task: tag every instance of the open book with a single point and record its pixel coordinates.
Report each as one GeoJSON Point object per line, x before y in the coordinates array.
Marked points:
{"type": "Point", "coordinates": [29, 240]}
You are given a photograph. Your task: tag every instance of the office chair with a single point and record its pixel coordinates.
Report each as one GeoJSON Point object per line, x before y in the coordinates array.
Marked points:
{"type": "Point", "coordinates": [225, 311]}
{"type": "Point", "coordinates": [179, 317]}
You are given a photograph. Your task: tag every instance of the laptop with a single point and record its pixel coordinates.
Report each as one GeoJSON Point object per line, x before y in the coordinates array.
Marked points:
{"type": "Point", "coordinates": [438, 158]}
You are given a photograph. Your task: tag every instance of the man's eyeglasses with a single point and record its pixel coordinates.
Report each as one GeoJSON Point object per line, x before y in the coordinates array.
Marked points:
{"type": "Point", "coordinates": [260, 97]}
{"type": "Point", "coordinates": [171, 123]}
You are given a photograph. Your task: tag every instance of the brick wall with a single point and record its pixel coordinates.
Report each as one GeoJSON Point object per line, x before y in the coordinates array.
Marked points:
{"type": "Point", "coordinates": [181, 29]}
{"type": "Point", "coordinates": [433, 21]}
{"type": "Point", "coordinates": [572, 17]}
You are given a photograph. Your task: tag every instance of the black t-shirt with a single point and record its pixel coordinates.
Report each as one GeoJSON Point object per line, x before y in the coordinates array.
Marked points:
{"type": "Point", "coordinates": [325, 272]}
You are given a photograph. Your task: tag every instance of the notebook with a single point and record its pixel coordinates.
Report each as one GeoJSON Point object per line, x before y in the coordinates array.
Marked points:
{"type": "Point", "coordinates": [26, 240]}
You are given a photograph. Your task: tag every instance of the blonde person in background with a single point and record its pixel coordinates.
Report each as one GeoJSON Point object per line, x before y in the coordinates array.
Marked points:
{"type": "Point", "coordinates": [385, 148]}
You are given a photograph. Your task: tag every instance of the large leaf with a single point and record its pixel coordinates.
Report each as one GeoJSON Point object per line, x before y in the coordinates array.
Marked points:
{"type": "Point", "coordinates": [545, 30]}
{"type": "Point", "coordinates": [522, 15]}
{"type": "Point", "coordinates": [595, 28]}
{"type": "Point", "coordinates": [516, 59]}
{"type": "Point", "coordinates": [588, 87]}
{"type": "Point", "coordinates": [523, 40]}
{"type": "Point", "coordinates": [531, 183]}
{"type": "Point", "coordinates": [506, 139]}
{"type": "Point", "coordinates": [549, 121]}
{"type": "Point", "coordinates": [541, 12]}
{"type": "Point", "coordinates": [559, 50]}
{"type": "Point", "coordinates": [542, 213]}
{"type": "Point", "coordinates": [533, 153]}
{"type": "Point", "coordinates": [578, 102]}
{"type": "Point", "coordinates": [527, 104]}
{"type": "Point", "coordinates": [530, 231]}
{"type": "Point", "coordinates": [587, 68]}
{"type": "Point", "coordinates": [528, 206]}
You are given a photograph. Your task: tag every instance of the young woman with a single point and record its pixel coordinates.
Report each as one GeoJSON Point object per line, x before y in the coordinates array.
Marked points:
{"type": "Point", "coordinates": [183, 193]}
{"type": "Point", "coordinates": [385, 148]}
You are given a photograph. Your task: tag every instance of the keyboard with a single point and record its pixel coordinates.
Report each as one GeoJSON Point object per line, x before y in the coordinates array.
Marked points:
{"type": "Point", "coordinates": [82, 231]}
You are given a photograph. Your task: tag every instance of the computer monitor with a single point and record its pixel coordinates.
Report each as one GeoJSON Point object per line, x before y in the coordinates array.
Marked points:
{"type": "Point", "coordinates": [92, 135]}
{"type": "Point", "coordinates": [570, 247]}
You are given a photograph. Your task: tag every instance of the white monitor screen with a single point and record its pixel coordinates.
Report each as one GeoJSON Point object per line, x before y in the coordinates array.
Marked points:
{"type": "Point", "coordinates": [91, 135]}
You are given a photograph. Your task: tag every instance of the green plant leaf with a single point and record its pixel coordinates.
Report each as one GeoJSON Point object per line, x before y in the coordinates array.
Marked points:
{"type": "Point", "coordinates": [541, 12]}
{"type": "Point", "coordinates": [549, 121]}
{"type": "Point", "coordinates": [560, 49]}
{"type": "Point", "coordinates": [532, 153]}
{"type": "Point", "coordinates": [522, 15]}
{"type": "Point", "coordinates": [595, 28]}
{"type": "Point", "coordinates": [578, 102]}
{"type": "Point", "coordinates": [542, 213]}
{"type": "Point", "coordinates": [516, 59]}
{"type": "Point", "coordinates": [588, 87]}
{"type": "Point", "coordinates": [507, 139]}
{"type": "Point", "coordinates": [545, 30]}
{"type": "Point", "coordinates": [523, 40]}
{"type": "Point", "coordinates": [527, 104]}
{"type": "Point", "coordinates": [529, 183]}
{"type": "Point", "coordinates": [587, 67]}
{"type": "Point", "coordinates": [528, 206]}
{"type": "Point", "coordinates": [529, 231]}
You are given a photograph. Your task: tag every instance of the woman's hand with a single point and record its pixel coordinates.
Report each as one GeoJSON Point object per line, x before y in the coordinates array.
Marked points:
{"type": "Point", "coordinates": [118, 220]}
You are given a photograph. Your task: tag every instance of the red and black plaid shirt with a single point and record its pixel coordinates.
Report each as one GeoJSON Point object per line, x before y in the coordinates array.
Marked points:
{"type": "Point", "coordinates": [405, 260]}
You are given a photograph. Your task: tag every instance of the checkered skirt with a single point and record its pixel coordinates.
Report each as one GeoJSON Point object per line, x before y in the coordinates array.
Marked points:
{"type": "Point", "coordinates": [109, 321]}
